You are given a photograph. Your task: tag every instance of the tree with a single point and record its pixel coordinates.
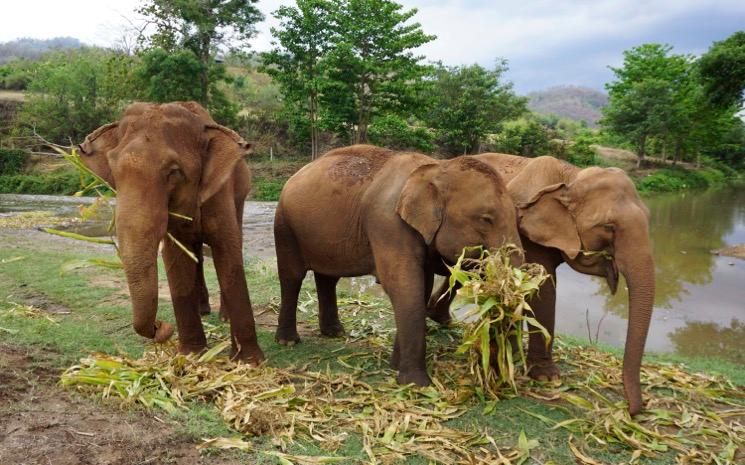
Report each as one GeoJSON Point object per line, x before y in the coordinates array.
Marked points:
{"type": "Point", "coordinates": [200, 26]}
{"type": "Point", "coordinates": [526, 137]}
{"type": "Point", "coordinates": [302, 41]}
{"type": "Point", "coordinates": [469, 102]}
{"type": "Point", "coordinates": [168, 76]}
{"type": "Point", "coordinates": [650, 96]}
{"type": "Point", "coordinates": [372, 67]}
{"type": "Point", "coordinates": [72, 93]}
{"type": "Point", "coordinates": [722, 70]}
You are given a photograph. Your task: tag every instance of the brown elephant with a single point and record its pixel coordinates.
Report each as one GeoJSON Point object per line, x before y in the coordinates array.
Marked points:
{"type": "Point", "coordinates": [366, 210]}
{"type": "Point", "coordinates": [165, 161]}
{"type": "Point", "coordinates": [564, 212]}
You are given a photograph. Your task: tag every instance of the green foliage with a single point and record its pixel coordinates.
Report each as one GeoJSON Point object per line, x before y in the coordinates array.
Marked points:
{"type": "Point", "coordinates": [722, 70]}
{"type": "Point", "coordinates": [200, 26]}
{"type": "Point", "coordinates": [72, 93]}
{"type": "Point", "coordinates": [265, 189]}
{"type": "Point", "coordinates": [526, 137]}
{"type": "Point", "coordinates": [57, 183]}
{"type": "Point", "coordinates": [12, 161]}
{"type": "Point", "coordinates": [581, 153]}
{"type": "Point", "coordinates": [169, 76]}
{"type": "Point", "coordinates": [677, 179]}
{"type": "Point", "coordinates": [372, 67]}
{"type": "Point", "coordinates": [469, 102]}
{"type": "Point", "coordinates": [394, 132]}
{"type": "Point", "coordinates": [16, 74]}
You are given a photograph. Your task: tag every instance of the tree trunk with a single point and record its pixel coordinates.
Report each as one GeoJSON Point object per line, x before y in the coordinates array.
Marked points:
{"type": "Point", "coordinates": [204, 77]}
{"type": "Point", "coordinates": [678, 150]}
{"type": "Point", "coordinates": [313, 127]}
{"type": "Point", "coordinates": [641, 151]}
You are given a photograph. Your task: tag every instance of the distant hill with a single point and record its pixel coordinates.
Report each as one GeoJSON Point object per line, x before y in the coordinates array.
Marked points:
{"type": "Point", "coordinates": [32, 49]}
{"type": "Point", "coordinates": [572, 102]}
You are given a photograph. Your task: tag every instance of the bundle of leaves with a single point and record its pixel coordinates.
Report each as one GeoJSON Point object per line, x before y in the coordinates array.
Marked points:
{"type": "Point", "coordinates": [494, 326]}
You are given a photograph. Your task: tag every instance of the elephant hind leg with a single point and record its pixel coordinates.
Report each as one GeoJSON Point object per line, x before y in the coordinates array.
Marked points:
{"type": "Point", "coordinates": [291, 271]}
{"type": "Point", "coordinates": [328, 311]}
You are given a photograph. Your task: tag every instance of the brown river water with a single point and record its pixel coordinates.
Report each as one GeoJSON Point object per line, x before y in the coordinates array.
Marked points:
{"type": "Point", "coordinates": [700, 301]}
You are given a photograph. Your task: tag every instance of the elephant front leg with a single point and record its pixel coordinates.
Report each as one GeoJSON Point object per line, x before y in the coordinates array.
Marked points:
{"type": "Point", "coordinates": [183, 281]}
{"type": "Point", "coordinates": [438, 307]}
{"type": "Point", "coordinates": [405, 284]}
{"type": "Point", "coordinates": [540, 359]}
{"type": "Point", "coordinates": [204, 295]}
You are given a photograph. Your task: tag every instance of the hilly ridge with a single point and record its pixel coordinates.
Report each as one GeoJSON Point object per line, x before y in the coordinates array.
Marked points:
{"type": "Point", "coordinates": [571, 102]}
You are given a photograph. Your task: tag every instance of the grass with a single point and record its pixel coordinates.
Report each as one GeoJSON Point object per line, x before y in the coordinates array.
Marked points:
{"type": "Point", "coordinates": [678, 179]}
{"type": "Point", "coordinates": [100, 321]}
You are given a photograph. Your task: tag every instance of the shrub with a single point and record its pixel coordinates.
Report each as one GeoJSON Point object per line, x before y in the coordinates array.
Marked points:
{"type": "Point", "coordinates": [394, 132]}
{"type": "Point", "coordinates": [12, 161]}
{"type": "Point", "coordinates": [56, 183]}
{"type": "Point", "coordinates": [581, 153]}
{"type": "Point", "coordinates": [670, 180]}
{"type": "Point", "coordinates": [267, 189]}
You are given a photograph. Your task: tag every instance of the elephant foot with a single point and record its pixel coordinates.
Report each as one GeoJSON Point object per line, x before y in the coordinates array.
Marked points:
{"type": "Point", "coordinates": [187, 349]}
{"type": "Point", "coordinates": [418, 377]}
{"type": "Point", "coordinates": [440, 316]}
{"type": "Point", "coordinates": [224, 314]}
{"type": "Point", "coordinates": [544, 370]}
{"type": "Point", "coordinates": [287, 337]}
{"type": "Point", "coordinates": [251, 355]}
{"type": "Point", "coordinates": [163, 331]}
{"type": "Point", "coordinates": [204, 308]}
{"type": "Point", "coordinates": [333, 330]}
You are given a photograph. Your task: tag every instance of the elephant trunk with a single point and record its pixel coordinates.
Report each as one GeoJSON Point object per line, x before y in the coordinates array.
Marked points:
{"type": "Point", "coordinates": [635, 263]}
{"type": "Point", "coordinates": [139, 232]}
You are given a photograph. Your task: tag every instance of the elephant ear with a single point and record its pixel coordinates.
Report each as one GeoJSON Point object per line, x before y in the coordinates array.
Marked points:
{"type": "Point", "coordinates": [94, 150]}
{"type": "Point", "coordinates": [225, 148]}
{"type": "Point", "coordinates": [422, 203]}
{"type": "Point", "coordinates": [547, 220]}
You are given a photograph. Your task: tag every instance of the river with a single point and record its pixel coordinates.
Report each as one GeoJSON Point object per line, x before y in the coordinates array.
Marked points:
{"type": "Point", "coordinates": [700, 300]}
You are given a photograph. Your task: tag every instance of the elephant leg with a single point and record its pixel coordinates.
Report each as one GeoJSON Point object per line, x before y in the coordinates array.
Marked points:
{"type": "Point", "coordinates": [540, 361]}
{"type": "Point", "coordinates": [204, 295]}
{"type": "Point", "coordinates": [328, 311]}
{"type": "Point", "coordinates": [405, 282]}
{"type": "Point", "coordinates": [438, 307]}
{"type": "Point", "coordinates": [291, 272]}
{"type": "Point", "coordinates": [224, 238]}
{"type": "Point", "coordinates": [183, 282]}
{"type": "Point", "coordinates": [239, 217]}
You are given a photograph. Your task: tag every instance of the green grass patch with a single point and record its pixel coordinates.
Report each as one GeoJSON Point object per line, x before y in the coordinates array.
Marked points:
{"type": "Point", "coordinates": [267, 189]}
{"type": "Point", "coordinates": [60, 182]}
{"type": "Point", "coordinates": [678, 179]}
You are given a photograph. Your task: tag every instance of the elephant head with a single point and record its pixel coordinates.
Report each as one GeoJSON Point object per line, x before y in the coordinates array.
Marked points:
{"type": "Point", "coordinates": [160, 159]}
{"type": "Point", "coordinates": [596, 219]}
{"type": "Point", "coordinates": [459, 203]}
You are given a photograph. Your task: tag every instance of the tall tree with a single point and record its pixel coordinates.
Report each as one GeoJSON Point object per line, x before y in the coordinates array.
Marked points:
{"type": "Point", "coordinates": [469, 102]}
{"type": "Point", "coordinates": [302, 41]}
{"type": "Point", "coordinates": [200, 26]}
{"type": "Point", "coordinates": [372, 64]}
{"type": "Point", "coordinates": [722, 70]}
{"type": "Point", "coordinates": [649, 96]}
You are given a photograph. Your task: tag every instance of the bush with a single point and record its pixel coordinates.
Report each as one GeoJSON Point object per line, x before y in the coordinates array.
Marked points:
{"type": "Point", "coordinates": [581, 153]}
{"type": "Point", "coordinates": [526, 137]}
{"type": "Point", "coordinates": [394, 132]}
{"type": "Point", "coordinates": [56, 183]}
{"type": "Point", "coordinates": [267, 189]}
{"type": "Point", "coordinates": [12, 161]}
{"type": "Point", "coordinates": [671, 180]}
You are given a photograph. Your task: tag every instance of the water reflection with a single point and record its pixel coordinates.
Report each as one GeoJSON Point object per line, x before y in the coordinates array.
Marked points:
{"type": "Point", "coordinates": [698, 294]}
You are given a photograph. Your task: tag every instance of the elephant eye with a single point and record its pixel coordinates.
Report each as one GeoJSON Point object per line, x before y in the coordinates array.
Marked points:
{"type": "Point", "coordinates": [487, 219]}
{"type": "Point", "coordinates": [173, 172]}
{"type": "Point", "coordinates": [609, 227]}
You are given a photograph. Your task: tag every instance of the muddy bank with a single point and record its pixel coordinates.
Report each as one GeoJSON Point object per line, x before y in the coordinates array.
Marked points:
{"type": "Point", "coordinates": [39, 421]}
{"type": "Point", "coordinates": [737, 251]}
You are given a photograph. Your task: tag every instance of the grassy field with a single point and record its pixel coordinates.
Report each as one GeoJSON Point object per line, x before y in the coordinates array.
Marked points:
{"type": "Point", "coordinates": [49, 321]}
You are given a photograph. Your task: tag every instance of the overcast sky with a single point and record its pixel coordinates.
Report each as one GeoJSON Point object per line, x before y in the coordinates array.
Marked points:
{"type": "Point", "coordinates": [547, 42]}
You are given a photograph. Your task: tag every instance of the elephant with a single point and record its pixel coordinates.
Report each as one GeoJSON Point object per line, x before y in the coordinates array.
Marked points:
{"type": "Point", "coordinates": [400, 216]}
{"type": "Point", "coordinates": [178, 173]}
{"type": "Point", "coordinates": [592, 219]}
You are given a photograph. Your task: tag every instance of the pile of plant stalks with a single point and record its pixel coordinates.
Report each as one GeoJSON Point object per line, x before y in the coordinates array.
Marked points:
{"type": "Point", "coordinates": [33, 219]}
{"type": "Point", "coordinates": [494, 326]}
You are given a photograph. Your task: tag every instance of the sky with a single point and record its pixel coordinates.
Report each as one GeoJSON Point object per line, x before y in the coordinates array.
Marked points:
{"type": "Point", "coordinates": [547, 42]}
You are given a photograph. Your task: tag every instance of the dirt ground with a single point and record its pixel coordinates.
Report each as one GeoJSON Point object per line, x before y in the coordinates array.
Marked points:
{"type": "Point", "coordinates": [40, 423]}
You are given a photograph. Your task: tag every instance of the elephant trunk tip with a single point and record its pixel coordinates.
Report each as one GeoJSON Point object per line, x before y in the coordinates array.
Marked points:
{"type": "Point", "coordinates": [159, 331]}
{"type": "Point", "coordinates": [633, 395]}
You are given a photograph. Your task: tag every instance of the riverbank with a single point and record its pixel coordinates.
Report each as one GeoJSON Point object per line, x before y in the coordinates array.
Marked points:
{"type": "Point", "coordinates": [50, 320]}
{"type": "Point", "coordinates": [49, 177]}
